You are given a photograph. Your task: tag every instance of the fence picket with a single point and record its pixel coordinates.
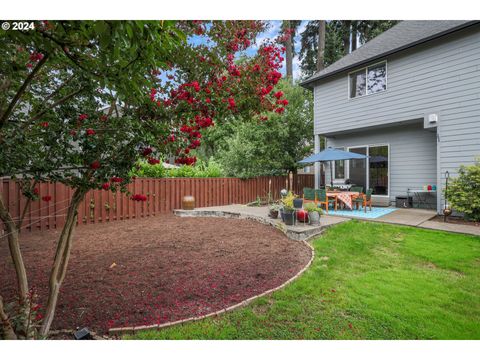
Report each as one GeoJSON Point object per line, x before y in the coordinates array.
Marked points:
{"type": "Point", "coordinates": [164, 195]}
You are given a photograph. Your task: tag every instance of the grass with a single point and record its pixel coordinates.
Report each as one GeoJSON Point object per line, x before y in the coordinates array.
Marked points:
{"type": "Point", "coordinates": [368, 281]}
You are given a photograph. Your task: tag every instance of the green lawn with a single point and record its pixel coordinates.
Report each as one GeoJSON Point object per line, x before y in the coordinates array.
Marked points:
{"type": "Point", "coordinates": [368, 281]}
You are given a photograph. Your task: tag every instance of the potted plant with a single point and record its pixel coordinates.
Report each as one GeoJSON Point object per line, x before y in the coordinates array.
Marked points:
{"type": "Point", "coordinates": [314, 213]}
{"type": "Point", "coordinates": [273, 210]}
{"type": "Point", "coordinates": [297, 202]}
{"type": "Point", "coordinates": [288, 211]}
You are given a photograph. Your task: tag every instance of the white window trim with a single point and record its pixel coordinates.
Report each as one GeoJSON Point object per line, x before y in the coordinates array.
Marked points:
{"type": "Point", "coordinates": [347, 166]}
{"type": "Point", "coordinates": [366, 79]}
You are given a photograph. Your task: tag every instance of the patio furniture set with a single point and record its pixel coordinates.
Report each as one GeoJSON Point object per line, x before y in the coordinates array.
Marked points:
{"type": "Point", "coordinates": [347, 199]}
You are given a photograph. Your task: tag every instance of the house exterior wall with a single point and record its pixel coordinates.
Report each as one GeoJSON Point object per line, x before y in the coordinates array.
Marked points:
{"type": "Point", "coordinates": [412, 156]}
{"type": "Point", "coordinates": [441, 77]}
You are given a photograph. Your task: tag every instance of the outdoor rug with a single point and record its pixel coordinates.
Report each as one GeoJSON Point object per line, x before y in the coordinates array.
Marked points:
{"type": "Point", "coordinates": [361, 214]}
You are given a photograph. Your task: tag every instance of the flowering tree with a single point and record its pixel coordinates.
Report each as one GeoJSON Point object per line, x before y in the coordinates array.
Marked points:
{"type": "Point", "coordinates": [158, 93]}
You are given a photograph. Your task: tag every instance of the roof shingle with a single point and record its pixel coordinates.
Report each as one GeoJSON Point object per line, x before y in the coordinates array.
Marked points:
{"type": "Point", "coordinates": [405, 34]}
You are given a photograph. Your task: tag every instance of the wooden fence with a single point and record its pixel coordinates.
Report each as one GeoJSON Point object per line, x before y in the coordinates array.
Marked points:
{"type": "Point", "coordinates": [163, 195]}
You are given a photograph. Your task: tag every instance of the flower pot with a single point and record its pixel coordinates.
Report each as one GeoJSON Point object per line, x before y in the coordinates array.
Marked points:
{"type": "Point", "coordinates": [273, 214]}
{"type": "Point", "coordinates": [314, 218]}
{"type": "Point", "coordinates": [297, 203]}
{"type": "Point", "coordinates": [188, 202]}
{"type": "Point", "coordinates": [288, 217]}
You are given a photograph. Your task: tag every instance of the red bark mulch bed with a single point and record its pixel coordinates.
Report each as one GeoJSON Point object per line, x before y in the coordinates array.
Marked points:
{"type": "Point", "coordinates": [167, 268]}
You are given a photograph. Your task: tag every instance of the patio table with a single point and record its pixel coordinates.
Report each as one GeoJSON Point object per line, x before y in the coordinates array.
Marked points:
{"type": "Point", "coordinates": [344, 196]}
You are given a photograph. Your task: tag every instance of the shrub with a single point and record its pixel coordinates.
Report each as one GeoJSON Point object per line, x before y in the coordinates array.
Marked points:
{"type": "Point", "coordinates": [464, 191]}
{"type": "Point", "coordinates": [202, 169]}
{"type": "Point", "coordinates": [287, 201]}
{"type": "Point", "coordinates": [311, 207]}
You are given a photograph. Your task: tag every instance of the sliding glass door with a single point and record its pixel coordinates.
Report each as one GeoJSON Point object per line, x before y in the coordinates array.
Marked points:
{"type": "Point", "coordinates": [358, 168]}
{"type": "Point", "coordinates": [371, 173]}
{"type": "Point", "coordinates": [378, 169]}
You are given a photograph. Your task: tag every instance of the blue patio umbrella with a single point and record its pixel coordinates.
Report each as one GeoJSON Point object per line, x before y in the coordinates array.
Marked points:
{"type": "Point", "coordinates": [331, 154]}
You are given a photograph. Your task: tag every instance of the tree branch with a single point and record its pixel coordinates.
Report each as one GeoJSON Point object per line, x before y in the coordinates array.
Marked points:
{"type": "Point", "coordinates": [22, 90]}
{"type": "Point", "coordinates": [55, 104]}
{"type": "Point", "coordinates": [53, 94]}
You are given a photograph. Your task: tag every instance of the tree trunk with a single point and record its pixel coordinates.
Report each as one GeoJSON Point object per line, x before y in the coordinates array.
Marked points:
{"type": "Point", "coordinates": [346, 36]}
{"type": "Point", "coordinates": [15, 253]}
{"type": "Point", "coordinates": [354, 35]}
{"type": "Point", "coordinates": [288, 50]}
{"type": "Point", "coordinates": [62, 255]}
{"type": "Point", "coordinates": [321, 45]}
{"type": "Point", "coordinates": [8, 333]}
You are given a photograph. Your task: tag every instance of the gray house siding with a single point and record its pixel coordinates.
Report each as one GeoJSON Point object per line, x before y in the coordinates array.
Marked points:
{"type": "Point", "coordinates": [442, 77]}
{"type": "Point", "coordinates": [412, 156]}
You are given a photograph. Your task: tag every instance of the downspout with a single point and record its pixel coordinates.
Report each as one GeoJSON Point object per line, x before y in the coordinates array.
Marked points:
{"type": "Point", "coordinates": [439, 171]}
{"type": "Point", "coordinates": [317, 164]}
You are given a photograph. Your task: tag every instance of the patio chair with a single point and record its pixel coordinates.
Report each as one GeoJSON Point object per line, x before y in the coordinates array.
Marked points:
{"type": "Point", "coordinates": [364, 199]}
{"type": "Point", "coordinates": [358, 189]}
{"type": "Point", "coordinates": [322, 199]}
{"type": "Point", "coordinates": [309, 195]}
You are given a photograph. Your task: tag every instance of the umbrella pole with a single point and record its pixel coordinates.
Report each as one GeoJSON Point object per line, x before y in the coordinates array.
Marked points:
{"type": "Point", "coordinates": [331, 174]}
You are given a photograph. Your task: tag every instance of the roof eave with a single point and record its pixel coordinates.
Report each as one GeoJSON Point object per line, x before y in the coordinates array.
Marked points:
{"type": "Point", "coordinates": [309, 83]}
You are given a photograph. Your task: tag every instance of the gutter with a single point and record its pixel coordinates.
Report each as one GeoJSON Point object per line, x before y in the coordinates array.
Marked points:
{"type": "Point", "coordinates": [309, 82]}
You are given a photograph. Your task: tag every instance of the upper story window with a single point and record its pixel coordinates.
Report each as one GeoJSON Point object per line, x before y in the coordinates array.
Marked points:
{"type": "Point", "coordinates": [369, 80]}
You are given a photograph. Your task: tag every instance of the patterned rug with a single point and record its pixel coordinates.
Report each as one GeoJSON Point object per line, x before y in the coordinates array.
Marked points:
{"type": "Point", "coordinates": [375, 213]}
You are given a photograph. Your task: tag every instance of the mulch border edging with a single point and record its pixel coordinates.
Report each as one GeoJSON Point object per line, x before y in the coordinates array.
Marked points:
{"type": "Point", "coordinates": [133, 329]}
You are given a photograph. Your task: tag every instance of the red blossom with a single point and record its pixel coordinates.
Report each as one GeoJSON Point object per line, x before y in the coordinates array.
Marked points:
{"type": "Point", "coordinates": [106, 186]}
{"type": "Point", "coordinates": [36, 191]}
{"type": "Point", "coordinates": [82, 117]}
{"type": "Point", "coordinates": [95, 165]}
{"type": "Point", "coordinates": [36, 56]}
{"type": "Point", "coordinates": [116, 179]}
{"type": "Point", "coordinates": [90, 132]}
{"type": "Point", "coordinates": [44, 124]}
{"type": "Point", "coordinates": [231, 103]}
{"type": "Point", "coordinates": [147, 151]}
{"type": "Point", "coordinates": [153, 161]}
{"type": "Point", "coordinates": [46, 198]}
{"type": "Point", "coordinates": [278, 94]}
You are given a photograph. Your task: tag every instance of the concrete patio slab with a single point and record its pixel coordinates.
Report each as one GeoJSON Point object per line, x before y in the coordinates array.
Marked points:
{"type": "Point", "coordinates": [260, 213]}
{"type": "Point", "coordinates": [457, 228]}
{"type": "Point", "coordinates": [412, 217]}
